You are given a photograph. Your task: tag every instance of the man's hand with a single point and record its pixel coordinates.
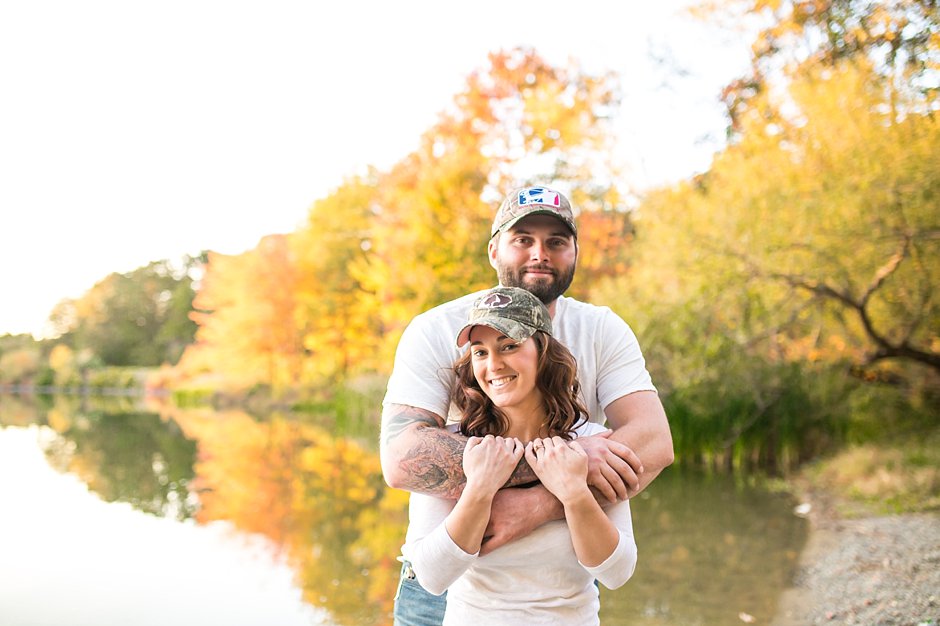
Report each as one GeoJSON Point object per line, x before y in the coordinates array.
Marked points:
{"type": "Point", "coordinates": [516, 512]}
{"type": "Point", "coordinates": [613, 468]}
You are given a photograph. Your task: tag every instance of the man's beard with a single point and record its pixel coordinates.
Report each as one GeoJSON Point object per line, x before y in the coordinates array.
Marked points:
{"type": "Point", "coordinates": [545, 289]}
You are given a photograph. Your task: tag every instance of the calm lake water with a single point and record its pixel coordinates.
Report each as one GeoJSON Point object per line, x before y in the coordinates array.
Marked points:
{"type": "Point", "coordinates": [118, 514]}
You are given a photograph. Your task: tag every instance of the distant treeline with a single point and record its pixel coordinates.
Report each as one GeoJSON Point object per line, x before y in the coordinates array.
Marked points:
{"type": "Point", "coordinates": [785, 299]}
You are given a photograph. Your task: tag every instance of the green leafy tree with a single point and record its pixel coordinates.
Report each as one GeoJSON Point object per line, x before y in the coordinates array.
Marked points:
{"type": "Point", "coordinates": [137, 318]}
{"type": "Point", "coordinates": [899, 38]}
{"type": "Point", "coordinates": [20, 365]}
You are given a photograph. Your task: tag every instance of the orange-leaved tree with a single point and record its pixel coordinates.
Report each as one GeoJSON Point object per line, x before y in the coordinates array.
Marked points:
{"type": "Point", "coordinates": [245, 309]}
{"type": "Point", "coordinates": [388, 245]}
{"type": "Point", "coordinates": [519, 120]}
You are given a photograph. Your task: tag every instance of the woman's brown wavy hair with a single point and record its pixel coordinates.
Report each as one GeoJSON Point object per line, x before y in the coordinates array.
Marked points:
{"type": "Point", "coordinates": [556, 378]}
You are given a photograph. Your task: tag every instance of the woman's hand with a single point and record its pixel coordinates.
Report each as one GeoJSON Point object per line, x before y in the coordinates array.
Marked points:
{"type": "Point", "coordinates": [561, 466]}
{"type": "Point", "coordinates": [489, 461]}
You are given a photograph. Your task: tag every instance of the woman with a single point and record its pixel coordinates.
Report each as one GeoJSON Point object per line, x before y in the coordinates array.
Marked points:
{"type": "Point", "coordinates": [518, 393]}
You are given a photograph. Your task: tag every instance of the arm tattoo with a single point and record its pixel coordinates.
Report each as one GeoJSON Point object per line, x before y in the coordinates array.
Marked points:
{"type": "Point", "coordinates": [522, 475]}
{"type": "Point", "coordinates": [429, 456]}
{"type": "Point", "coordinates": [402, 417]}
{"type": "Point", "coordinates": [434, 463]}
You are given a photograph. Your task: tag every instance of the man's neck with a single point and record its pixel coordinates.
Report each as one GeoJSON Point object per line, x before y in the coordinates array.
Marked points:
{"type": "Point", "coordinates": [552, 307]}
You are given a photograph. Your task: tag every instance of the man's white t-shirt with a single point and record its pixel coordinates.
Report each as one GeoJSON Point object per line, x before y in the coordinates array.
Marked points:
{"type": "Point", "coordinates": [610, 366]}
{"type": "Point", "coordinates": [610, 363]}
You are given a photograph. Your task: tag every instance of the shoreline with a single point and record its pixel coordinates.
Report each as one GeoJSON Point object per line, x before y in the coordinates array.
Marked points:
{"type": "Point", "coordinates": [861, 568]}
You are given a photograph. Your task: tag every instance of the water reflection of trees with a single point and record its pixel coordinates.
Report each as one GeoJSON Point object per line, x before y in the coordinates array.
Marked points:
{"type": "Point", "coordinates": [122, 453]}
{"type": "Point", "coordinates": [319, 496]}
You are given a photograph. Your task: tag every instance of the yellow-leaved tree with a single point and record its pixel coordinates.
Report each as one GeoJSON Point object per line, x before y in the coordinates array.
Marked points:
{"type": "Point", "coordinates": [809, 248]}
{"type": "Point", "coordinates": [335, 310]}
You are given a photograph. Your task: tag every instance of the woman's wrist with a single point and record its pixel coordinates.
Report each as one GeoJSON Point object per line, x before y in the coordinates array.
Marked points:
{"type": "Point", "coordinates": [578, 496]}
{"type": "Point", "coordinates": [479, 490]}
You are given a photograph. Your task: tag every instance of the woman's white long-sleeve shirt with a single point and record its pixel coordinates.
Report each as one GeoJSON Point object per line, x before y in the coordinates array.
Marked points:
{"type": "Point", "coordinates": [534, 580]}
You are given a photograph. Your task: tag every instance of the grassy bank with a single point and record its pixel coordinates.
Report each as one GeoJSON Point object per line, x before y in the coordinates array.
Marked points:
{"type": "Point", "coordinates": [879, 477]}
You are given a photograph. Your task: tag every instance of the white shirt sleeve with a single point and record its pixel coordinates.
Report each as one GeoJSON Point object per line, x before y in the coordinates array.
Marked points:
{"type": "Point", "coordinates": [620, 565]}
{"type": "Point", "coordinates": [436, 560]}
{"type": "Point", "coordinates": [423, 373]}
{"type": "Point", "coordinates": [621, 366]}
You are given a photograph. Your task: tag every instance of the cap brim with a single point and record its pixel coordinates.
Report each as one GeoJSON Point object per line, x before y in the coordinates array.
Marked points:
{"type": "Point", "coordinates": [512, 332]}
{"type": "Point", "coordinates": [507, 225]}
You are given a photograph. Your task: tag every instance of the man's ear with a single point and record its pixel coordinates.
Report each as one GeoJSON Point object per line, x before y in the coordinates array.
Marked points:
{"type": "Point", "coordinates": [492, 249]}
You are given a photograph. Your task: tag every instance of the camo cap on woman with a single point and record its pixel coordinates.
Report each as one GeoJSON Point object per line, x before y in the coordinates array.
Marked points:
{"type": "Point", "coordinates": [510, 310]}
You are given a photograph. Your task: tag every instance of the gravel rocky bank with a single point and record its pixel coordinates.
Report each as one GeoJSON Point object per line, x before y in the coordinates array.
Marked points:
{"type": "Point", "coordinates": [864, 569]}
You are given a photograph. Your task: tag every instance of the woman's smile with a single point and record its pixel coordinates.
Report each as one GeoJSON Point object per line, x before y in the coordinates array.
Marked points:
{"type": "Point", "coordinates": [504, 380]}
{"type": "Point", "coordinates": [505, 369]}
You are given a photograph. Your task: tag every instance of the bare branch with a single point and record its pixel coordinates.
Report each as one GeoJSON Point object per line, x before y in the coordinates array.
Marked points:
{"type": "Point", "coordinates": [885, 348]}
{"type": "Point", "coordinates": [887, 269]}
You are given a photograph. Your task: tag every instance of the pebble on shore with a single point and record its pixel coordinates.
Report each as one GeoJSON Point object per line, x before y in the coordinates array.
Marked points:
{"type": "Point", "coordinates": [870, 570]}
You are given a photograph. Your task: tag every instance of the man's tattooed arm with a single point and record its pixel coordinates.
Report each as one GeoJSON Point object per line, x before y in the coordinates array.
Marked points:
{"type": "Point", "coordinates": [419, 455]}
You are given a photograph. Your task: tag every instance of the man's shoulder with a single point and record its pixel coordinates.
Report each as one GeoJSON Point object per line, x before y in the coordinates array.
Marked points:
{"type": "Point", "coordinates": [443, 320]}
{"type": "Point", "coordinates": [577, 321]}
{"type": "Point", "coordinates": [576, 308]}
{"type": "Point", "coordinates": [457, 308]}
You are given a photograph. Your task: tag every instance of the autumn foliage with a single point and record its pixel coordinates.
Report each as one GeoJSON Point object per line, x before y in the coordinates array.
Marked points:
{"type": "Point", "coordinates": [779, 296]}
{"type": "Point", "coordinates": [329, 301]}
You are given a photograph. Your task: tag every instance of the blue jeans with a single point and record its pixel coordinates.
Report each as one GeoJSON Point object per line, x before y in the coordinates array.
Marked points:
{"type": "Point", "coordinates": [413, 605]}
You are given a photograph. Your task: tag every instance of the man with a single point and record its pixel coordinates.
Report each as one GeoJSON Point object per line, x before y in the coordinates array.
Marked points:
{"type": "Point", "coordinates": [533, 246]}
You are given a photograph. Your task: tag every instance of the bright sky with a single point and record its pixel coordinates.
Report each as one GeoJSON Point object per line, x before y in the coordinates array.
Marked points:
{"type": "Point", "coordinates": [137, 131]}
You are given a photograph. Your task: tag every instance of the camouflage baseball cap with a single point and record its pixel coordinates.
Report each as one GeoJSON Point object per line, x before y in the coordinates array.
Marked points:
{"type": "Point", "coordinates": [512, 311]}
{"type": "Point", "coordinates": [533, 200]}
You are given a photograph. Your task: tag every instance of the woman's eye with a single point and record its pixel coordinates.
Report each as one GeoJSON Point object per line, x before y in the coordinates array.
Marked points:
{"type": "Point", "coordinates": [510, 346]}
{"type": "Point", "coordinates": [478, 353]}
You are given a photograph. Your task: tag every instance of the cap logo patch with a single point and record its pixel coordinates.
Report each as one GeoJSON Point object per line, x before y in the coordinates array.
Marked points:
{"type": "Point", "coordinates": [495, 301]}
{"type": "Point", "coordinates": [538, 195]}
